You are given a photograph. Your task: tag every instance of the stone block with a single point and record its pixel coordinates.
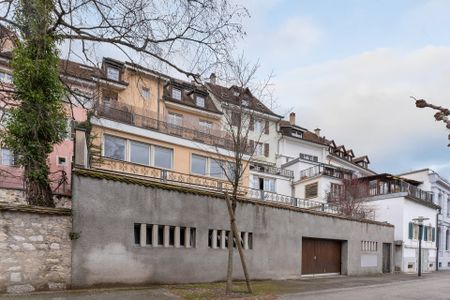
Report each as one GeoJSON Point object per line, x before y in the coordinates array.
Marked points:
{"type": "Point", "coordinates": [15, 277]}
{"type": "Point", "coordinates": [28, 247]}
{"type": "Point", "coordinates": [36, 238]}
{"type": "Point", "coordinates": [56, 286]}
{"type": "Point", "coordinates": [19, 238]}
{"type": "Point", "coordinates": [54, 246]}
{"type": "Point", "coordinates": [18, 289]}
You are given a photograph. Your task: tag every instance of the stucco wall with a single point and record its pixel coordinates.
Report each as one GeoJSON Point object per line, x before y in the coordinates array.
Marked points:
{"type": "Point", "coordinates": [105, 252]}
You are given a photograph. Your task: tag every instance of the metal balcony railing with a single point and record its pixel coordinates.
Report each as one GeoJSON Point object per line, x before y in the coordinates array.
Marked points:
{"type": "Point", "coordinates": [383, 187]}
{"type": "Point", "coordinates": [272, 170]}
{"type": "Point", "coordinates": [326, 170]}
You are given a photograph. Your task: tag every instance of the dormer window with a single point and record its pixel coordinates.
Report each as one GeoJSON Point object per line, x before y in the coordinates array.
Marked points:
{"type": "Point", "coordinates": [200, 101]}
{"type": "Point", "coordinates": [112, 73]}
{"type": "Point", "coordinates": [244, 103]}
{"type": "Point", "coordinates": [297, 133]}
{"type": "Point", "coordinates": [176, 94]}
{"type": "Point", "coordinates": [236, 93]}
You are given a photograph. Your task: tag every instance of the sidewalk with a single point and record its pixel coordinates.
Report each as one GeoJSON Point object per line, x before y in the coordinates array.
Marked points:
{"type": "Point", "coordinates": [262, 289]}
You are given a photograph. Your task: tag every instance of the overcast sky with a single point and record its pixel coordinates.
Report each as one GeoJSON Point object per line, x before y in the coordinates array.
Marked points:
{"type": "Point", "coordinates": [349, 67]}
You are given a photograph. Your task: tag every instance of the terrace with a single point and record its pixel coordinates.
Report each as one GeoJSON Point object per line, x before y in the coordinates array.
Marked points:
{"type": "Point", "coordinates": [326, 170]}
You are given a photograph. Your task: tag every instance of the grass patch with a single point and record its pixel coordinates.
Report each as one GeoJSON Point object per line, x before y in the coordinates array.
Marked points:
{"type": "Point", "coordinates": [199, 291]}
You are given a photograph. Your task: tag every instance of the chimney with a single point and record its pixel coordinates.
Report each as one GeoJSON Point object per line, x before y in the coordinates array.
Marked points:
{"type": "Point", "coordinates": [212, 78]}
{"type": "Point", "coordinates": [317, 131]}
{"type": "Point", "coordinates": [292, 118]}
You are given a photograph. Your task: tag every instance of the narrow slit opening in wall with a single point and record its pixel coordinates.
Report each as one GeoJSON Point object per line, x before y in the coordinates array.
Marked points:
{"type": "Point", "coordinates": [242, 239]}
{"type": "Point", "coordinates": [149, 235]}
{"type": "Point", "coordinates": [182, 236]}
{"type": "Point", "coordinates": [193, 234]}
{"type": "Point", "coordinates": [160, 235]}
{"type": "Point", "coordinates": [219, 239]}
{"type": "Point", "coordinates": [210, 238]}
{"type": "Point", "coordinates": [172, 236]}
{"type": "Point", "coordinates": [137, 233]}
{"type": "Point", "coordinates": [227, 237]}
{"type": "Point", "coordinates": [250, 240]}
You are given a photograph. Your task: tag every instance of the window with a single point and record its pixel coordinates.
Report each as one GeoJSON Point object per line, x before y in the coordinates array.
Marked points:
{"type": "Point", "coordinates": [335, 190]}
{"type": "Point", "coordinates": [109, 95]}
{"type": "Point", "coordinates": [164, 235]}
{"type": "Point", "coordinates": [244, 102]}
{"type": "Point", "coordinates": [308, 157]}
{"type": "Point", "coordinates": [205, 126]}
{"type": "Point", "coordinates": [176, 93]}
{"type": "Point", "coordinates": [175, 119]}
{"type": "Point", "coordinates": [297, 133]}
{"type": "Point", "coordinates": [236, 93]}
{"type": "Point", "coordinates": [369, 246]}
{"type": "Point", "coordinates": [6, 157]}
{"type": "Point", "coordinates": [447, 240]}
{"type": "Point", "coordinates": [215, 168]}
{"type": "Point", "coordinates": [311, 190]}
{"type": "Point", "coordinates": [200, 101]}
{"type": "Point", "coordinates": [112, 73]}
{"type": "Point", "coordinates": [145, 93]}
{"type": "Point", "coordinates": [114, 147]}
{"type": "Point", "coordinates": [160, 235]}
{"type": "Point", "coordinates": [259, 150]}
{"type": "Point", "coordinates": [61, 161]}
{"type": "Point", "coordinates": [5, 77]}
{"type": "Point", "coordinates": [163, 157]}
{"type": "Point", "coordinates": [137, 233]}
{"type": "Point", "coordinates": [264, 184]}
{"type": "Point", "coordinates": [215, 239]}
{"type": "Point", "coordinates": [139, 153]}
{"type": "Point", "coordinates": [198, 165]}
{"type": "Point", "coordinates": [259, 126]}
{"type": "Point", "coordinates": [149, 235]}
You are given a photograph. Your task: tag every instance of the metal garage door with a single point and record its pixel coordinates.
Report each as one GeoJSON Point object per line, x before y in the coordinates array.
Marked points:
{"type": "Point", "coordinates": [320, 256]}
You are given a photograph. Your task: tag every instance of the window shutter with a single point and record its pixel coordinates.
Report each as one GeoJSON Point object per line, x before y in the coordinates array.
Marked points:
{"type": "Point", "coordinates": [266, 150]}
{"type": "Point", "coordinates": [433, 234]}
{"type": "Point", "coordinates": [266, 127]}
{"type": "Point", "coordinates": [410, 231]}
{"type": "Point", "coordinates": [425, 233]}
{"type": "Point", "coordinates": [251, 124]}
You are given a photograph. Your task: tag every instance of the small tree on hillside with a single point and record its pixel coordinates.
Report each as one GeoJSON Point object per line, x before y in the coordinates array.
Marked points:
{"type": "Point", "coordinates": [442, 114]}
{"type": "Point", "coordinates": [187, 36]}
{"type": "Point", "coordinates": [349, 198]}
{"type": "Point", "coordinates": [243, 142]}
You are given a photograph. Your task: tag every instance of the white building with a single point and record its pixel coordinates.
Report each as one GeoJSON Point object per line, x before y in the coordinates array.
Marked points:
{"type": "Point", "coordinates": [399, 201]}
{"type": "Point", "coordinates": [440, 187]}
{"type": "Point", "coordinates": [318, 165]}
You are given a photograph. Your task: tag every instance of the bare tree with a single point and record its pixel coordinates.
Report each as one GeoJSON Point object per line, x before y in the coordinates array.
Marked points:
{"type": "Point", "coordinates": [442, 114]}
{"type": "Point", "coordinates": [241, 106]}
{"type": "Point", "coordinates": [187, 36]}
{"type": "Point", "coordinates": [349, 198]}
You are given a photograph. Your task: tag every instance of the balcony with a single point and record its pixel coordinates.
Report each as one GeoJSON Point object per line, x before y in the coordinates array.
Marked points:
{"type": "Point", "coordinates": [203, 183]}
{"type": "Point", "coordinates": [126, 115]}
{"type": "Point", "coordinates": [326, 170]}
{"type": "Point", "coordinates": [272, 170]}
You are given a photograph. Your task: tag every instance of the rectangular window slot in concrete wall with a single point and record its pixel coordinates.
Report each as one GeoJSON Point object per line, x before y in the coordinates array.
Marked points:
{"type": "Point", "coordinates": [164, 236]}
{"type": "Point", "coordinates": [218, 239]}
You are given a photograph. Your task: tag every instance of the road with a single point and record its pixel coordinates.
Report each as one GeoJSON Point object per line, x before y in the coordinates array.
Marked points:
{"type": "Point", "coordinates": [433, 287]}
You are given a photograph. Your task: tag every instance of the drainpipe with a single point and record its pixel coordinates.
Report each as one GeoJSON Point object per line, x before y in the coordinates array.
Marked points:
{"type": "Point", "coordinates": [157, 104]}
{"type": "Point", "coordinates": [437, 239]}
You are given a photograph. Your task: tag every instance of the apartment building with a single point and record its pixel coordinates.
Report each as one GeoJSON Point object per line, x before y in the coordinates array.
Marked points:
{"type": "Point", "coordinates": [440, 189]}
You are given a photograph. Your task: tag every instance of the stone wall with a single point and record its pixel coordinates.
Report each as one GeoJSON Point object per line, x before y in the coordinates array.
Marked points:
{"type": "Point", "coordinates": [17, 197]}
{"type": "Point", "coordinates": [35, 248]}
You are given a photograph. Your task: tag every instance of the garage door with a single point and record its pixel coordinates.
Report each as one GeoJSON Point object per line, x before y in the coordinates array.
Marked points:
{"type": "Point", "coordinates": [320, 256]}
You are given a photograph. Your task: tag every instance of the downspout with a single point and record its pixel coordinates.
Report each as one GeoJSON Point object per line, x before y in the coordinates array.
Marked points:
{"type": "Point", "coordinates": [157, 104]}
{"type": "Point", "coordinates": [437, 239]}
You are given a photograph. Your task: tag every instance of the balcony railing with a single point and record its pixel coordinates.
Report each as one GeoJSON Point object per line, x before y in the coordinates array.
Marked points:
{"type": "Point", "coordinates": [326, 170]}
{"type": "Point", "coordinates": [272, 170]}
{"type": "Point", "coordinates": [218, 139]}
{"type": "Point", "coordinates": [384, 187]}
{"type": "Point", "coordinates": [205, 183]}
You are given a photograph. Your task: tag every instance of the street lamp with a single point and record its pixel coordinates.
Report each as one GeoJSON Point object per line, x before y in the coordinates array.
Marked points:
{"type": "Point", "coordinates": [419, 221]}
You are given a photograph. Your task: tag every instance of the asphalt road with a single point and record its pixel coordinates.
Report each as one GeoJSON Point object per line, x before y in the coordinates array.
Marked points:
{"type": "Point", "coordinates": [429, 287]}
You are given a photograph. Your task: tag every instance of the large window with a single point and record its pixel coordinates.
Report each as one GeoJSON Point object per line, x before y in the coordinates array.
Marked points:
{"type": "Point", "coordinates": [114, 147]}
{"type": "Point", "coordinates": [198, 165]}
{"type": "Point", "coordinates": [175, 119]}
{"type": "Point", "coordinates": [215, 168]}
{"type": "Point", "coordinates": [311, 190]}
{"type": "Point", "coordinates": [205, 126]}
{"type": "Point", "coordinates": [163, 157]}
{"type": "Point", "coordinates": [264, 184]}
{"type": "Point", "coordinates": [6, 157]}
{"type": "Point", "coordinates": [139, 153]}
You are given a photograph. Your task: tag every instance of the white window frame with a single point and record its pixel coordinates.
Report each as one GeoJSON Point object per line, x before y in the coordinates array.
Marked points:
{"type": "Point", "coordinates": [206, 171]}
{"type": "Point", "coordinates": [205, 125]}
{"type": "Point", "coordinates": [258, 126]}
{"type": "Point", "coordinates": [176, 91]}
{"type": "Point", "coordinates": [145, 92]}
{"type": "Point", "coordinates": [259, 149]}
{"type": "Point", "coordinates": [152, 153]}
{"type": "Point", "coordinates": [112, 75]}
{"type": "Point", "coordinates": [200, 101]}
{"type": "Point", "coordinates": [175, 119]}
{"type": "Point", "coordinates": [207, 166]}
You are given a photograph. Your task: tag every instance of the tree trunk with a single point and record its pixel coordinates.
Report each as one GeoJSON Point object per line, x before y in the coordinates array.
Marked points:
{"type": "Point", "coordinates": [37, 192]}
{"type": "Point", "coordinates": [235, 232]}
{"type": "Point", "coordinates": [230, 263]}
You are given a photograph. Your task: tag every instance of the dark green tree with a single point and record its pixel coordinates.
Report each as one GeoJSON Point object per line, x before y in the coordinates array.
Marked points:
{"type": "Point", "coordinates": [39, 121]}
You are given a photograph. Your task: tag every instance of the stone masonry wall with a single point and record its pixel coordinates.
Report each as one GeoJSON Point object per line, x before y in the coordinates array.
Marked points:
{"type": "Point", "coordinates": [17, 197]}
{"type": "Point", "coordinates": [35, 249]}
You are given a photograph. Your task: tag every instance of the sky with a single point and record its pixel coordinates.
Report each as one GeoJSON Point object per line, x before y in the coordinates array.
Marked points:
{"type": "Point", "coordinates": [349, 68]}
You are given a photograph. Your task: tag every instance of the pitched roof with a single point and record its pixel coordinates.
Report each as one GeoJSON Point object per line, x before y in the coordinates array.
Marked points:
{"type": "Point", "coordinates": [235, 95]}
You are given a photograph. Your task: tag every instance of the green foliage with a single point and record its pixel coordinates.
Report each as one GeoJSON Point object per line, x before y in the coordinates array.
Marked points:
{"type": "Point", "coordinates": [39, 122]}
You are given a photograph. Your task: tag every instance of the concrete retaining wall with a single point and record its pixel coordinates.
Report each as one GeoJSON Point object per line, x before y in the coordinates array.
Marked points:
{"type": "Point", "coordinates": [105, 211]}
